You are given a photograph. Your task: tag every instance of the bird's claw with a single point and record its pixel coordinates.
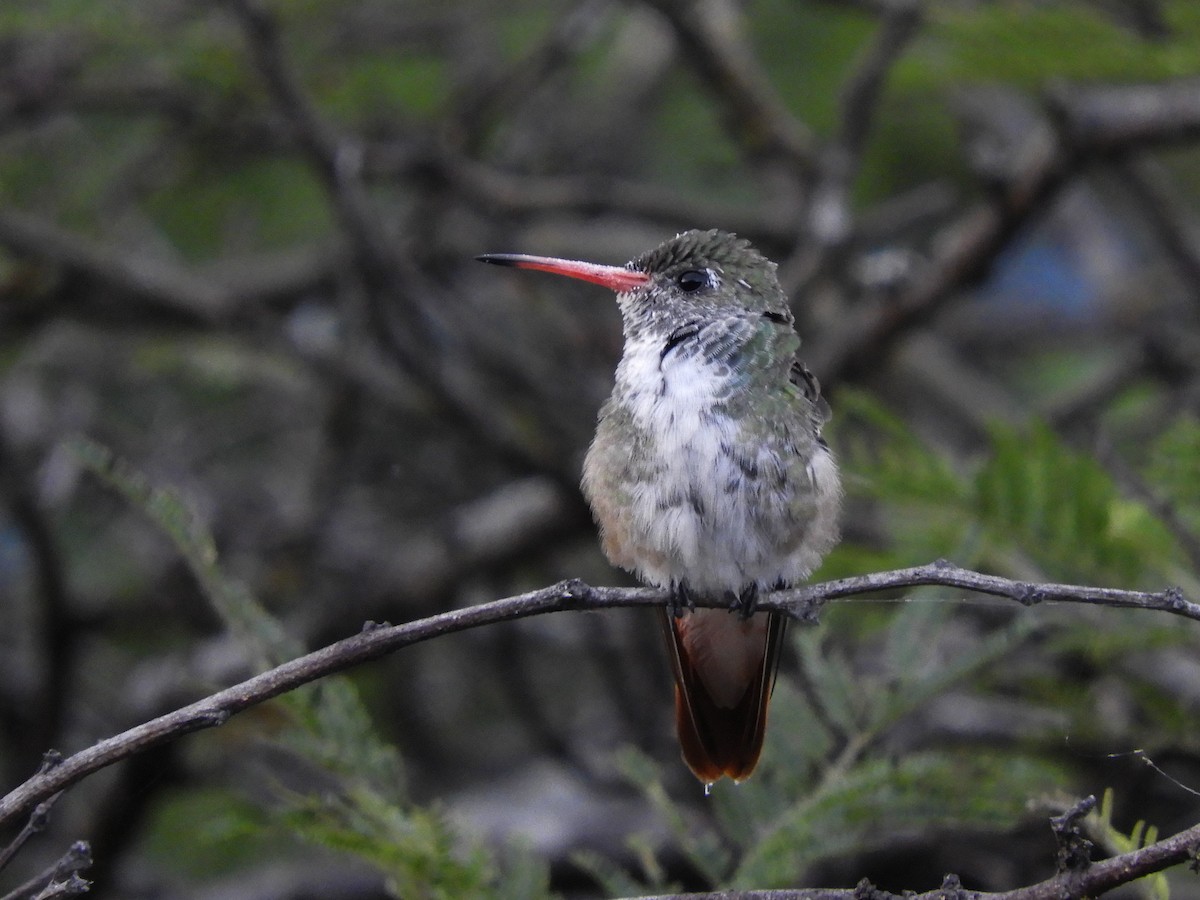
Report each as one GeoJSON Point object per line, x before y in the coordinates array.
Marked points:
{"type": "Point", "coordinates": [681, 601]}
{"type": "Point", "coordinates": [745, 603]}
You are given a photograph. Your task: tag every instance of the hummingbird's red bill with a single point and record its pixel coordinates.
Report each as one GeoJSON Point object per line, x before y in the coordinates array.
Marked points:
{"type": "Point", "coordinates": [615, 278]}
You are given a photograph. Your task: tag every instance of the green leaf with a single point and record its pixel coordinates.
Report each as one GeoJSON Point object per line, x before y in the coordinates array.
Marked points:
{"type": "Point", "coordinates": [884, 458]}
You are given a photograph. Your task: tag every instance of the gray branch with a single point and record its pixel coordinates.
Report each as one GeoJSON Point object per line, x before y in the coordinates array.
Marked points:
{"type": "Point", "coordinates": [1090, 124]}
{"type": "Point", "coordinates": [376, 641]}
{"type": "Point", "coordinates": [1077, 876]}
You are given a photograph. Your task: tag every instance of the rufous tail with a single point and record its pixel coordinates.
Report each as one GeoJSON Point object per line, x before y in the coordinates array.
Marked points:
{"type": "Point", "coordinates": [721, 723]}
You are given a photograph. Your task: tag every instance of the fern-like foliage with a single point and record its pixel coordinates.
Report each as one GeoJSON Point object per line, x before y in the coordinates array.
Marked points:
{"type": "Point", "coordinates": [829, 784]}
{"type": "Point", "coordinates": [1060, 508]}
{"type": "Point", "coordinates": [1030, 507]}
{"type": "Point", "coordinates": [1173, 468]}
{"type": "Point", "coordinates": [878, 798]}
{"type": "Point", "coordinates": [836, 776]}
{"type": "Point", "coordinates": [366, 813]}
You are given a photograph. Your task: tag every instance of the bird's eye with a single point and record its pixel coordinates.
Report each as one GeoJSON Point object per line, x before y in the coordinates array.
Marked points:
{"type": "Point", "coordinates": [692, 280]}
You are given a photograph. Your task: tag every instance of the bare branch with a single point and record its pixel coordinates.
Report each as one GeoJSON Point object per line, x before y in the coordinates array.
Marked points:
{"type": "Point", "coordinates": [966, 249]}
{"type": "Point", "coordinates": [37, 819]}
{"type": "Point", "coordinates": [485, 98]}
{"type": "Point", "coordinates": [860, 94]}
{"type": "Point", "coordinates": [1074, 849]}
{"type": "Point", "coordinates": [523, 194]}
{"type": "Point", "coordinates": [376, 641]}
{"type": "Point", "coordinates": [1092, 123]}
{"type": "Point", "coordinates": [829, 219]}
{"type": "Point", "coordinates": [37, 716]}
{"type": "Point", "coordinates": [60, 880]}
{"type": "Point", "coordinates": [805, 601]}
{"type": "Point", "coordinates": [1114, 119]}
{"type": "Point", "coordinates": [1177, 230]}
{"type": "Point", "coordinates": [373, 642]}
{"type": "Point", "coordinates": [72, 886]}
{"type": "Point", "coordinates": [169, 287]}
{"type": "Point", "coordinates": [755, 115]}
{"type": "Point", "coordinates": [408, 329]}
{"type": "Point", "coordinates": [336, 157]}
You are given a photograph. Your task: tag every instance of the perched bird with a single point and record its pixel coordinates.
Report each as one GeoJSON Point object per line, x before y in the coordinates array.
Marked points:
{"type": "Point", "coordinates": [708, 474]}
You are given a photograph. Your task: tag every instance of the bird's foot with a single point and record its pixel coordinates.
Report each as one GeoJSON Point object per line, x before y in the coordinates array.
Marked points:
{"type": "Point", "coordinates": [681, 600]}
{"type": "Point", "coordinates": [744, 603]}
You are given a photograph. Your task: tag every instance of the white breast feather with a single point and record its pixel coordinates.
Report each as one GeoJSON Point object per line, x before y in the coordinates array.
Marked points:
{"type": "Point", "coordinates": [672, 398]}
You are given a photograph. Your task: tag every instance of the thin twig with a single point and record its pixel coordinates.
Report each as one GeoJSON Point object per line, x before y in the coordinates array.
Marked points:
{"type": "Point", "coordinates": [756, 117]}
{"type": "Point", "coordinates": [859, 96]}
{"type": "Point", "coordinates": [36, 823]}
{"type": "Point", "coordinates": [1092, 123]}
{"type": "Point", "coordinates": [41, 714]}
{"type": "Point", "coordinates": [60, 880]}
{"type": "Point", "coordinates": [1115, 118]}
{"type": "Point", "coordinates": [1159, 203]}
{"type": "Point", "coordinates": [38, 818]}
{"type": "Point", "coordinates": [508, 193]}
{"type": "Point", "coordinates": [409, 330]}
{"type": "Point", "coordinates": [965, 250]}
{"type": "Point", "coordinates": [167, 286]}
{"type": "Point", "coordinates": [829, 219]}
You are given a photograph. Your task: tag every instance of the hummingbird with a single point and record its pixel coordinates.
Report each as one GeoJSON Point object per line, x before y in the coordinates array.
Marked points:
{"type": "Point", "coordinates": [708, 475]}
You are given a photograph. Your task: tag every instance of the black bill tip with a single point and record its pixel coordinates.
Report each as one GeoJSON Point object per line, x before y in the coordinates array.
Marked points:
{"type": "Point", "coordinates": [501, 259]}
